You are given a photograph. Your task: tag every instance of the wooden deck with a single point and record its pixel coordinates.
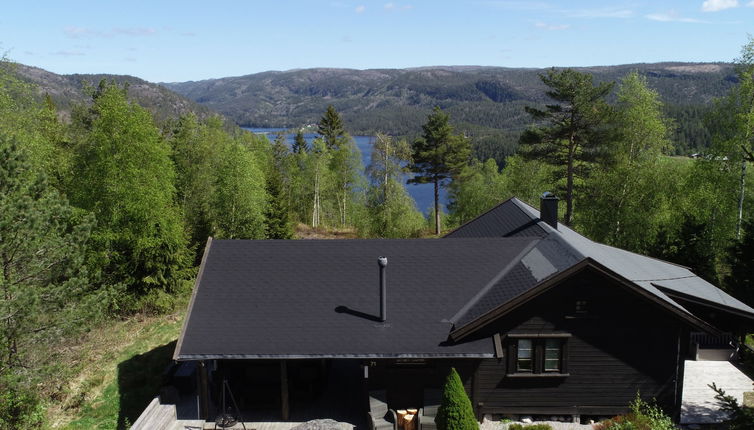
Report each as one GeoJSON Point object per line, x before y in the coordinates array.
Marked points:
{"type": "Point", "coordinates": [699, 405]}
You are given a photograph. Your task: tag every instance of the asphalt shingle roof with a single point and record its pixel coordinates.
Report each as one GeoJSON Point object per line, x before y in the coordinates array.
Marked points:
{"type": "Point", "coordinates": [314, 298]}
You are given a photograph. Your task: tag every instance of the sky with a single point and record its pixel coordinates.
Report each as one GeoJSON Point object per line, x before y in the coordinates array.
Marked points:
{"type": "Point", "coordinates": [175, 41]}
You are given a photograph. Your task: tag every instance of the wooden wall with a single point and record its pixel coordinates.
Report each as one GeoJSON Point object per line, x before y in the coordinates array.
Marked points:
{"type": "Point", "coordinates": [624, 344]}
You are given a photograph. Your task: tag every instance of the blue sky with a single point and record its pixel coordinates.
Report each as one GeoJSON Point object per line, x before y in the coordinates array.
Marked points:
{"type": "Point", "coordinates": [168, 41]}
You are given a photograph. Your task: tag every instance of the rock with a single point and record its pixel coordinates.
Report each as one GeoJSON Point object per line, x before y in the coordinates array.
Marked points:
{"type": "Point", "coordinates": [526, 420]}
{"type": "Point", "coordinates": [326, 424]}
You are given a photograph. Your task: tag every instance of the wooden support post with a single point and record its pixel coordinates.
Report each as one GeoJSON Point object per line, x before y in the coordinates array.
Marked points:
{"type": "Point", "coordinates": [284, 405]}
{"type": "Point", "coordinates": [203, 390]}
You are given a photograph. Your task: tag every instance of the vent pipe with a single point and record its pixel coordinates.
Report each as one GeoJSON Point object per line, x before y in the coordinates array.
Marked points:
{"type": "Point", "coordinates": [382, 261]}
{"type": "Point", "coordinates": [548, 209]}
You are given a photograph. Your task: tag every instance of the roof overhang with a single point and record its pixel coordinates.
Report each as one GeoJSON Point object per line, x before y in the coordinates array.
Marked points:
{"type": "Point", "coordinates": [193, 299]}
{"type": "Point", "coordinates": [545, 285]}
{"type": "Point", "coordinates": [673, 294]}
{"type": "Point", "coordinates": [195, 357]}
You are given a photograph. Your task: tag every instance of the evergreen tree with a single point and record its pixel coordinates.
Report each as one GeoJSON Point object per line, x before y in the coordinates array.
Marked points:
{"type": "Point", "coordinates": [691, 246]}
{"type": "Point", "coordinates": [438, 155]}
{"type": "Point", "coordinates": [43, 276]}
{"type": "Point", "coordinates": [574, 135]}
{"type": "Point", "coordinates": [299, 143]}
{"type": "Point", "coordinates": [455, 412]}
{"type": "Point", "coordinates": [740, 281]}
{"type": "Point", "coordinates": [331, 127]}
{"type": "Point", "coordinates": [277, 222]}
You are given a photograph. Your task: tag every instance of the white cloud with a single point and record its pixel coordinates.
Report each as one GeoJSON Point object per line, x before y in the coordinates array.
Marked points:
{"type": "Point", "coordinates": [551, 27]}
{"type": "Point", "coordinates": [389, 6]}
{"type": "Point", "coordinates": [360, 8]}
{"type": "Point", "coordinates": [670, 16]}
{"type": "Point", "coordinates": [716, 5]}
{"type": "Point", "coordinates": [750, 4]}
{"type": "Point", "coordinates": [135, 31]}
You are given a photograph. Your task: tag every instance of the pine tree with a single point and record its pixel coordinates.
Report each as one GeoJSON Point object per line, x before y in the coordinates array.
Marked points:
{"type": "Point", "coordinates": [331, 127]}
{"type": "Point", "coordinates": [438, 155]}
{"type": "Point", "coordinates": [575, 133]}
{"type": "Point", "coordinates": [455, 412]}
{"type": "Point", "coordinates": [43, 245]}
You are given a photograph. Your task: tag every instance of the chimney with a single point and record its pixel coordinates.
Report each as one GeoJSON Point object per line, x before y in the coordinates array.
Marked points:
{"type": "Point", "coordinates": [548, 209]}
{"type": "Point", "coordinates": [382, 261]}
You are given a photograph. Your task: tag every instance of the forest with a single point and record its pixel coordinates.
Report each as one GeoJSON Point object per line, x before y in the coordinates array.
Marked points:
{"type": "Point", "coordinates": [104, 212]}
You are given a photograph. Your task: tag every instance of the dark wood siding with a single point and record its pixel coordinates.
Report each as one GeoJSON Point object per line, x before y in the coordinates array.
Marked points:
{"type": "Point", "coordinates": [622, 345]}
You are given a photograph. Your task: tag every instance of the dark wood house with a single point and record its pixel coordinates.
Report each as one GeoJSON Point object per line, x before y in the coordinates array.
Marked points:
{"type": "Point", "coordinates": [536, 318]}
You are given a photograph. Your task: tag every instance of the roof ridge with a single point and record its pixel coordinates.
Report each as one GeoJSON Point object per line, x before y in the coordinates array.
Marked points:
{"type": "Point", "coordinates": [492, 282]}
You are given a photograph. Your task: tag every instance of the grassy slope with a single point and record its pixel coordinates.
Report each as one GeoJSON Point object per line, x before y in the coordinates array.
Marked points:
{"type": "Point", "coordinates": [114, 372]}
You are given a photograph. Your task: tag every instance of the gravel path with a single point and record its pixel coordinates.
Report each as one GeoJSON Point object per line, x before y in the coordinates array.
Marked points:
{"type": "Point", "coordinates": [556, 425]}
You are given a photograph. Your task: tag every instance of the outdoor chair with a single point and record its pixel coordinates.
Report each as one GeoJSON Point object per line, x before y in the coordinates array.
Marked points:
{"type": "Point", "coordinates": [427, 414]}
{"type": "Point", "coordinates": [380, 416]}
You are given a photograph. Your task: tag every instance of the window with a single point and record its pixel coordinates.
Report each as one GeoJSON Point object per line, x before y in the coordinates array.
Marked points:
{"type": "Point", "coordinates": [537, 355]}
{"type": "Point", "coordinates": [553, 355]}
{"type": "Point", "coordinates": [524, 356]}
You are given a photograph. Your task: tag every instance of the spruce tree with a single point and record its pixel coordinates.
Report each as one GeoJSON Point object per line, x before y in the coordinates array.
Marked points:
{"type": "Point", "coordinates": [299, 143]}
{"type": "Point", "coordinates": [455, 412]}
{"type": "Point", "coordinates": [438, 155]}
{"type": "Point", "coordinates": [331, 127]}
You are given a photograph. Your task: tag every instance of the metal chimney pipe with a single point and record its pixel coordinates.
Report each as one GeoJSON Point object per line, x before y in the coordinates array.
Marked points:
{"type": "Point", "coordinates": [382, 261]}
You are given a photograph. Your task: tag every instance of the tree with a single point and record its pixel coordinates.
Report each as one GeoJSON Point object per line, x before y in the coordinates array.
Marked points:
{"type": "Point", "coordinates": [299, 143]}
{"type": "Point", "coordinates": [240, 199]}
{"type": "Point", "coordinates": [331, 127]}
{"type": "Point", "coordinates": [625, 198]}
{"type": "Point", "coordinates": [43, 275]}
{"type": "Point", "coordinates": [740, 281]}
{"type": "Point", "coordinates": [346, 167]}
{"type": "Point", "coordinates": [126, 178]}
{"type": "Point", "coordinates": [392, 211]}
{"type": "Point", "coordinates": [438, 155]}
{"type": "Point", "coordinates": [691, 245]}
{"type": "Point", "coordinates": [479, 187]}
{"type": "Point", "coordinates": [574, 135]}
{"type": "Point", "coordinates": [455, 412]}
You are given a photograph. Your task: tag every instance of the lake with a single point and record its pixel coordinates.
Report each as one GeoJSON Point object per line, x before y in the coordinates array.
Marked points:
{"type": "Point", "coordinates": [421, 193]}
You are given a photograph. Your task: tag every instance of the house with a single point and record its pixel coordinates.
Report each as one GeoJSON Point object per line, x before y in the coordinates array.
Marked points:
{"type": "Point", "coordinates": [537, 319]}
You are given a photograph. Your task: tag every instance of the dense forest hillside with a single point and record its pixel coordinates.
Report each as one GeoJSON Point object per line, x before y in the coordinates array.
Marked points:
{"type": "Point", "coordinates": [485, 102]}
{"type": "Point", "coordinates": [67, 90]}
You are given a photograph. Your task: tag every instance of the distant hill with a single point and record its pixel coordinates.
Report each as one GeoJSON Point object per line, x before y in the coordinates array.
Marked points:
{"type": "Point", "coordinates": [67, 90]}
{"type": "Point", "coordinates": [486, 102]}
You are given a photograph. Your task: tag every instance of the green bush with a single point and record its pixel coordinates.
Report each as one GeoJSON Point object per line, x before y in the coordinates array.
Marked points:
{"type": "Point", "coordinates": [530, 427]}
{"type": "Point", "coordinates": [455, 412]}
{"type": "Point", "coordinates": [643, 416]}
{"type": "Point", "coordinates": [19, 406]}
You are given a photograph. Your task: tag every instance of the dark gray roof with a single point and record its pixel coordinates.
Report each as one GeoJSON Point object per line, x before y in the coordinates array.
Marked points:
{"type": "Point", "coordinates": [508, 219]}
{"type": "Point", "coordinates": [563, 247]}
{"type": "Point", "coordinates": [317, 298]}
{"type": "Point", "coordinates": [320, 298]}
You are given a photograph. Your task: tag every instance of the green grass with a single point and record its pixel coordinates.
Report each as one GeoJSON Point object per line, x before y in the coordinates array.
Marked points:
{"type": "Point", "coordinates": [115, 373]}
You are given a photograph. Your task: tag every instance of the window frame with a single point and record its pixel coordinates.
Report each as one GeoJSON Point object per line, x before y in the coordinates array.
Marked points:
{"type": "Point", "coordinates": [538, 355]}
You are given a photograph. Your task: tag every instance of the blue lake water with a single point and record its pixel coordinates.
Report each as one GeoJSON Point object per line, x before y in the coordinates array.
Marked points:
{"type": "Point", "coordinates": [422, 193]}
